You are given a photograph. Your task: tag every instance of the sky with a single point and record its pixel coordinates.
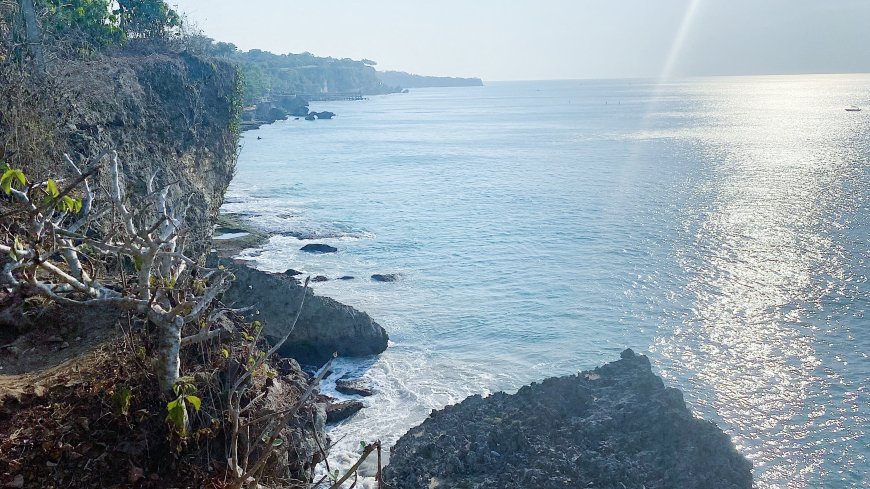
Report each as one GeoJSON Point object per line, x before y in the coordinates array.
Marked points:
{"type": "Point", "coordinates": [554, 39]}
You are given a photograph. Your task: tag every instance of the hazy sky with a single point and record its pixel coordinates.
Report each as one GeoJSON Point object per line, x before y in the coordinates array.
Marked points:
{"type": "Point", "coordinates": [555, 39]}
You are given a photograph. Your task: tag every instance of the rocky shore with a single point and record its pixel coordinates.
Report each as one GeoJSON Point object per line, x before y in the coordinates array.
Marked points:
{"type": "Point", "coordinates": [616, 426]}
{"type": "Point", "coordinates": [325, 325]}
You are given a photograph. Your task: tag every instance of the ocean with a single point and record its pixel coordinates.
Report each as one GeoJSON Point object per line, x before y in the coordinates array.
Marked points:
{"type": "Point", "coordinates": [719, 225]}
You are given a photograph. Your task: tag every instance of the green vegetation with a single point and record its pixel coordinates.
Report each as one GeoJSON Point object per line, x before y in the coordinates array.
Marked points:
{"type": "Point", "coordinates": [77, 26]}
{"type": "Point", "coordinates": [270, 76]}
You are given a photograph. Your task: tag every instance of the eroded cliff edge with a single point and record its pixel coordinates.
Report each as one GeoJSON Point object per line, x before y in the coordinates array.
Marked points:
{"type": "Point", "coordinates": [616, 426]}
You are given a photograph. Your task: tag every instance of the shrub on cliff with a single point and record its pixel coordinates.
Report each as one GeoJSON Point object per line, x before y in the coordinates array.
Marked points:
{"type": "Point", "coordinates": [137, 264]}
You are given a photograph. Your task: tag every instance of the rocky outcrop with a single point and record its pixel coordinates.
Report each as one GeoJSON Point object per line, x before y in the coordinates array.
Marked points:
{"type": "Point", "coordinates": [170, 115]}
{"type": "Point", "coordinates": [325, 325]}
{"type": "Point", "coordinates": [340, 411]}
{"type": "Point", "coordinates": [357, 387]}
{"type": "Point", "coordinates": [386, 277]}
{"type": "Point", "coordinates": [318, 248]}
{"type": "Point", "coordinates": [613, 427]}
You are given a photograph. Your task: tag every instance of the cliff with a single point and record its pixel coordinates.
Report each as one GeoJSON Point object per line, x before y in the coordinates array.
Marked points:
{"type": "Point", "coordinates": [269, 75]}
{"type": "Point", "coordinates": [170, 115]}
{"type": "Point", "coordinates": [85, 374]}
{"type": "Point", "coordinates": [613, 427]}
{"type": "Point", "coordinates": [408, 80]}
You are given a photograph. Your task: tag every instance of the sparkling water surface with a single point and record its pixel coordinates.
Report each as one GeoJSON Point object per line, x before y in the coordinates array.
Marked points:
{"type": "Point", "coordinates": [719, 225]}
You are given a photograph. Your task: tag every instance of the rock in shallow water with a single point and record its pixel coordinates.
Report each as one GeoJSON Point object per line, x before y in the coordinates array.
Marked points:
{"type": "Point", "coordinates": [386, 277]}
{"type": "Point", "coordinates": [614, 427]}
{"type": "Point", "coordinates": [339, 411]}
{"type": "Point", "coordinates": [319, 248]}
{"type": "Point", "coordinates": [357, 387]}
{"type": "Point", "coordinates": [325, 325]}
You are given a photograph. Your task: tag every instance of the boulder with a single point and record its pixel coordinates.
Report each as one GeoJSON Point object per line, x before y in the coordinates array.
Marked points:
{"type": "Point", "coordinates": [325, 325]}
{"type": "Point", "coordinates": [613, 427]}
{"type": "Point", "coordinates": [318, 248]}
{"type": "Point", "coordinates": [357, 387]}
{"type": "Point", "coordinates": [324, 115]}
{"type": "Point", "coordinates": [346, 277]}
{"type": "Point", "coordinates": [320, 278]}
{"type": "Point", "coordinates": [310, 117]}
{"type": "Point", "coordinates": [339, 411]}
{"type": "Point", "coordinates": [386, 277]}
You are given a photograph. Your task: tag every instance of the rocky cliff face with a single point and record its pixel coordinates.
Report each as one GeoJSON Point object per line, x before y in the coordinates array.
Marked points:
{"type": "Point", "coordinates": [169, 115]}
{"type": "Point", "coordinates": [325, 326]}
{"type": "Point", "coordinates": [614, 427]}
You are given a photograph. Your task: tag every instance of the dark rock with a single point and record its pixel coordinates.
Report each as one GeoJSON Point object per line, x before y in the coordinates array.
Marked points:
{"type": "Point", "coordinates": [357, 387]}
{"type": "Point", "coordinates": [292, 273]}
{"type": "Point", "coordinates": [339, 411]}
{"type": "Point", "coordinates": [324, 115]}
{"type": "Point", "coordinates": [310, 117]}
{"type": "Point", "coordinates": [613, 427]}
{"type": "Point", "coordinates": [386, 277]}
{"type": "Point", "coordinates": [346, 277]}
{"type": "Point", "coordinates": [320, 278]}
{"type": "Point", "coordinates": [325, 325]}
{"type": "Point", "coordinates": [319, 248]}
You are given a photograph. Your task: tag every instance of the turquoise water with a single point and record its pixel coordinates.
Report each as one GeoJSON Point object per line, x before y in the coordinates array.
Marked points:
{"type": "Point", "coordinates": [719, 225]}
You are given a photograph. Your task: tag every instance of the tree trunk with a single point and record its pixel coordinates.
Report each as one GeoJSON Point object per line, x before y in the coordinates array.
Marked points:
{"type": "Point", "coordinates": [168, 354]}
{"type": "Point", "coordinates": [31, 33]}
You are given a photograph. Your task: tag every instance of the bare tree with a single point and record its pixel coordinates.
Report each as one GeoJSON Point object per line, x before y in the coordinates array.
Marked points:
{"type": "Point", "coordinates": [49, 243]}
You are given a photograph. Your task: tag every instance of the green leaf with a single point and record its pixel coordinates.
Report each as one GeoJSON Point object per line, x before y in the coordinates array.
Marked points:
{"type": "Point", "coordinates": [225, 352]}
{"type": "Point", "coordinates": [121, 400]}
{"type": "Point", "coordinates": [362, 445]}
{"type": "Point", "coordinates": [19, 175]}
{"type": "Point", "coordinates": [51, 188]}
{"type": "Point", "coordinates": [176, 416]}
{"type": "Point", "coordinates": [6, 182]}
{"type": "Point", "coordinates": [195, 402]}
{"type": "Point", "coordinates": [67, 203]}
{"type": "Point", "coordinates": [9, 176]}
{"type": "Point", "coordinates": [277, 443]}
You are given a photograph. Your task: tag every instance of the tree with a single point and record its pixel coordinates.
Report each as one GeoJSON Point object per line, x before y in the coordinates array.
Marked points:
{"type": "Point", "coordinates": [49, 250]}
{"type": "Point", "coordinates": [150, 19]}
{"type": "Point", "coordinates": [87, 21]}
{"type": "Point", "coordinates": [31, 32]}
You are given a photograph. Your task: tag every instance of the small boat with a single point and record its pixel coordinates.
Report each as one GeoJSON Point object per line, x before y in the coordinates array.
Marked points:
{"type": "Point", "coordinates": [853, 109]}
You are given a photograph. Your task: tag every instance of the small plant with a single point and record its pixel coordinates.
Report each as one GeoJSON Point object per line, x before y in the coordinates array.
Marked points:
{"type": "Point", "coordinates": [176, 409]}
{"type": "Point", "coordinates": [10, 176]}
{"type": "Point", "coordinates": [121, 400]}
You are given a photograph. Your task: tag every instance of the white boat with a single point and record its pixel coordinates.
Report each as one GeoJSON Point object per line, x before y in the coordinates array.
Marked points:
{"type": "Point", "coordinates": [853, 109]}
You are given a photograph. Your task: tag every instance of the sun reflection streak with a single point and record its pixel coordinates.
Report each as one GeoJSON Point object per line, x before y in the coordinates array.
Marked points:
{"type": "Point", "coordinates": [762, 261]}
{"type": "Point", "coordinates": [680, 39]}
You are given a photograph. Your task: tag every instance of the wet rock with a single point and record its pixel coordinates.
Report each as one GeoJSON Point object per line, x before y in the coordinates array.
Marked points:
{"type": "Point", "coordinates": [320, 278]}
{"type": "Point", "coordinates": [325, 325]}
{"type": "Point", "coordinates": [346, 277]}
{"type": "Point", "coordinates": [386, 277]}
{"type": "Point", "coordinates": [318, 248]}
{"type": "Point", "coordinates": [613, 427]}
{"type": "Point", "coordinates": [292, 273]}
{"type": "Point", "coordinates": [310, 117]}
{"type": "Point", "coordinates": [358, 387]}
{"type": "Point", "coordinates": [339, 411]}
